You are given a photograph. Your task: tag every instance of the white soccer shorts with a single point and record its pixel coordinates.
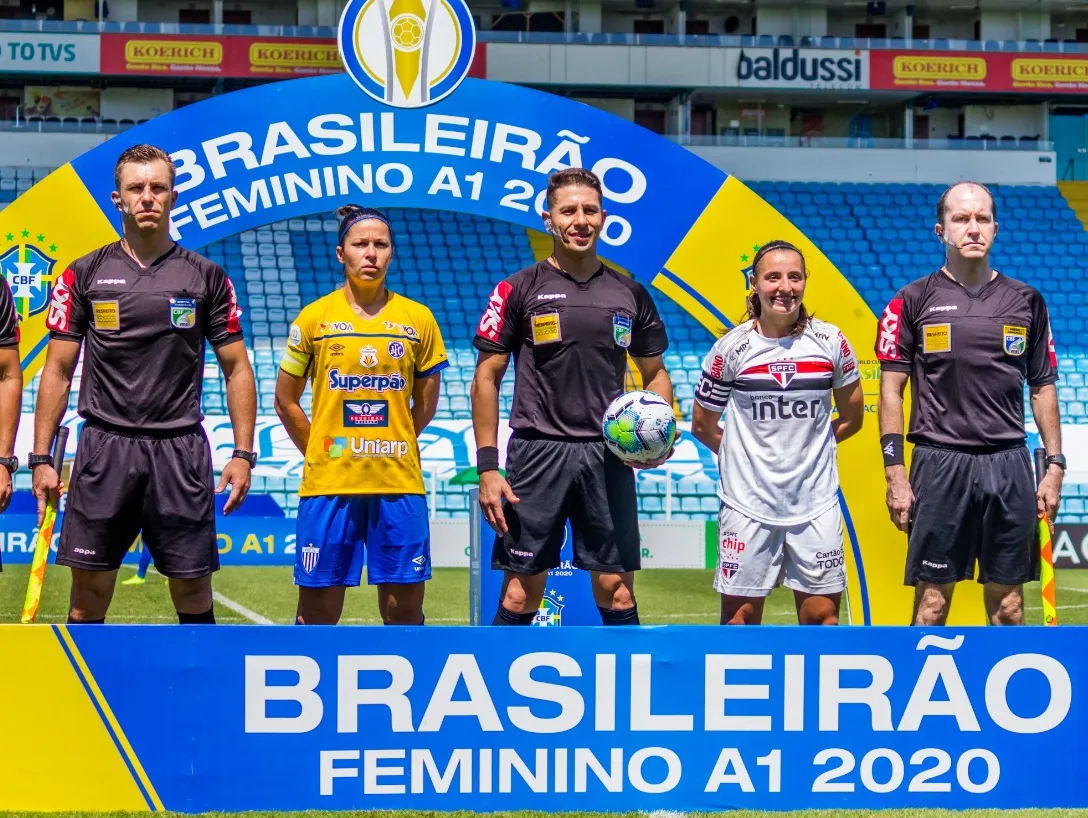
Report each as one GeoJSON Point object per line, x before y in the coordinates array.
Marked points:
{"type": "Point", "coordinates": [754, 557]}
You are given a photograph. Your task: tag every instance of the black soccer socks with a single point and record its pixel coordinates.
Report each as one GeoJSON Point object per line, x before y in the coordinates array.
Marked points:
{"type": "Point", "coordinates": [505, 617]}
{"type": "Point", "coordinates": [206, 618]}
{"type": "Point", "coordinates": [627, 616]}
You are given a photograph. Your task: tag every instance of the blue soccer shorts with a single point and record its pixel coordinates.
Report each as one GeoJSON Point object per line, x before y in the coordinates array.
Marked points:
{"type": "Point", "coordinates": [334, 532]}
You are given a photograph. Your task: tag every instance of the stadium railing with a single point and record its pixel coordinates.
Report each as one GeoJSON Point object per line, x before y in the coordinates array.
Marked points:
{"type": "Point", "coordinates": [1050, 45]}
{"type": "Point", "coordinates": [969, 143]}
{"type": "Point", "coordinates": [54, 124]}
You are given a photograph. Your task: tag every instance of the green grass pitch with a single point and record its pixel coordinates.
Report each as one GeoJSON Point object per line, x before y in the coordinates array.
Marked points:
{"type": "Point", "coordinates": [665, 596]}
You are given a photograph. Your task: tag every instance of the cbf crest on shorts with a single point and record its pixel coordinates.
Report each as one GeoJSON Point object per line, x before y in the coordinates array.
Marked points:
{"type": "Point", "coordinates": [550, 614]}
{"type": "Point", "coordinates": [621, 330]}
{"type": "Point", "coordinates": [1016, 340]}
{"type": "Point", "coordinates": [183, 313]}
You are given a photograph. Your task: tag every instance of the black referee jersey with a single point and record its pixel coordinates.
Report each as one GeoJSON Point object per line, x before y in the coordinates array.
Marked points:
{"type": "Point", "coordinates": [570, 342]}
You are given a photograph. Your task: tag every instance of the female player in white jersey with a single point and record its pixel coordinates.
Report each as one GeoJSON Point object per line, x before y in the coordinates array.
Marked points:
{"type": "Point", "coordinates": [778, 478]}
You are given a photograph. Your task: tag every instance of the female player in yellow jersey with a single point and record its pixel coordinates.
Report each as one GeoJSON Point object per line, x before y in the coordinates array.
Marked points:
{"type": "Point", "coordinates": [374, 359]}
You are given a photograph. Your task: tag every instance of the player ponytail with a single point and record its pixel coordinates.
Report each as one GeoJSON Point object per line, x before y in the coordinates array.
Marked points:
{"type": "Point", "coordinates": [752, 302]}
{"type": "Point", "coordinates": [351, 214]}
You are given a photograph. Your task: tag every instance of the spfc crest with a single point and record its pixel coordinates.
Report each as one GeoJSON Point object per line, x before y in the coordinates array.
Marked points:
{"type": "Point", "coordinates": [783, 372]}
{"type": "Point", "coordinates": [29, 272]}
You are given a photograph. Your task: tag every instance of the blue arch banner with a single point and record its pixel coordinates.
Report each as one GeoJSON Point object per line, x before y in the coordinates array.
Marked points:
{"type": "Point", "coordinates": [295, 148]}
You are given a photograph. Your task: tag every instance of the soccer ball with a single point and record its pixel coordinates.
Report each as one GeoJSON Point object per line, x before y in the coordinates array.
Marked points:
{"type": "Point", "coordinates": [639, 426]}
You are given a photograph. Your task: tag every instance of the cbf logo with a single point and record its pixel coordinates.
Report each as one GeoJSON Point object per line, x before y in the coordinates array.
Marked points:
{"type": "Point", "coordinates": [28, 269]}
{"type": "Point", "coordinates": [746, 269]}
{"type": "Point", "coordinates": [550, 614]}
{"type": "Point", "coordinates": [407, 53]}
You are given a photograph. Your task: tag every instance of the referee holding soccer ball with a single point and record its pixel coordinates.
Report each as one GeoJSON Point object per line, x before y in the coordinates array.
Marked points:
{"type": "Point", "coordinates": [570, 323]}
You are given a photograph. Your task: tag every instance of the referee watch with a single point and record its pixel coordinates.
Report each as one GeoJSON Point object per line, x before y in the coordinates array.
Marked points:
{"type": "Point", "coordinates": [35, 460]}
{"type": "Point", "coordinates": [249, 457]}
{"type": "Point", "coordinates": [10, 463]}
{"type": "Point", "coordinates": [1056, 460]}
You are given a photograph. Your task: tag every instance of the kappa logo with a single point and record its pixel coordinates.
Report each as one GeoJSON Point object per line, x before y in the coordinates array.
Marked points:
{"type": "Point", "coordinates": [783, 372]}
{"type": "Point", "coordinates": [407, 55]}
{"type": "Point", "coordinates": [944, 308]}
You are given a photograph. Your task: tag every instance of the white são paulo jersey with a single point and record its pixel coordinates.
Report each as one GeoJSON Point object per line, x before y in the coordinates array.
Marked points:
{"type": "Point", "coordinates": [777, 461]}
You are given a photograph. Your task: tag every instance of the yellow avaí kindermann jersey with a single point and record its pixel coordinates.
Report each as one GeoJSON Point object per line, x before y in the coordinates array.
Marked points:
{"type": "Point", "coordinates": [362, 372]}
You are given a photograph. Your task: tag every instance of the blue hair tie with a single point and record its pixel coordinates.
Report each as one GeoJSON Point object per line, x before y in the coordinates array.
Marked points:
{"type": "Point", "coordinates": [358, 217]}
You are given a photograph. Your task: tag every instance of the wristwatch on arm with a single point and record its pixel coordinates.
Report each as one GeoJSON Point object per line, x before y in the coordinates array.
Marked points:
{"type": "Point", "coordinates": [1056, 460]}
{"type": "Point", "coordinates": [10, 463]}
{"type": "Point", "coordinates": [35, 460]}
{"type": "Point", "coordinates": [249, 457]}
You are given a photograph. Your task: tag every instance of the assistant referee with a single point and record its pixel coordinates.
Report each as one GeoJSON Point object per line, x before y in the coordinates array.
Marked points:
{"type": "Point", "coordinates": [145, 307]}
{"type": "Point", "coordinates": [968, 337]}
{"type": "Point", "coordinates": [570, 322]}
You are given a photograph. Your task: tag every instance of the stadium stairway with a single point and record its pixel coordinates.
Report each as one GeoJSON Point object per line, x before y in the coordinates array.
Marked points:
{"type": "Point", "coordinates": [452, 261]}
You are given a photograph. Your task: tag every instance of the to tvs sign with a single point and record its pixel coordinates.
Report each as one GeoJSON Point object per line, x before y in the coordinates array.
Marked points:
{"type": "Point", "coordinates": [1001, 72]}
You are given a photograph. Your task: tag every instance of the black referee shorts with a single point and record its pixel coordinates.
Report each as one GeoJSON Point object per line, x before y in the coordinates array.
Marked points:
{"type": "Point", "coordinates": [972, 508]}
{"type": "Point", "coordinates": [122, 484]}
{"type": "Point", "coordinates": [557, 480]}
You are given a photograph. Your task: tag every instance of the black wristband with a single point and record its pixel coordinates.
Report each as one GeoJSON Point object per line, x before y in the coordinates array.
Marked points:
{"type": "Point", "coordinates": [487, 459]}
{"type": "Point", "coordinates": [891, 446]}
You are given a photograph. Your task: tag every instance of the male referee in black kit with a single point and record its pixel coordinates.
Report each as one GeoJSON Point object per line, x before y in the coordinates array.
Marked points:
{"type": "Point", "coordinates": [968, 337]}
{"type": "Point", "coordinates": [570, 323]}
{"type": "Point", "coordinates": [144, 306]}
